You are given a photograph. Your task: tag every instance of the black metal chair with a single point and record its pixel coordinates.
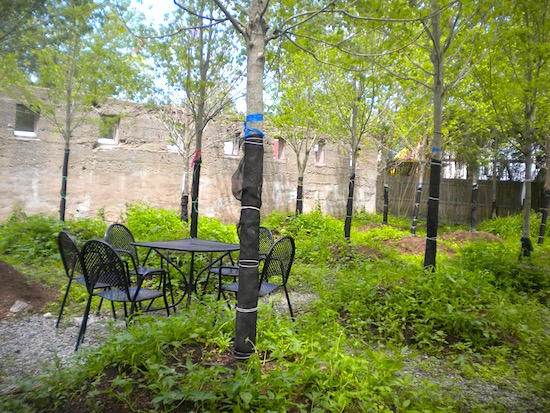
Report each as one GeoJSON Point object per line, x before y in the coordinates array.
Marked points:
{"type": "Point", "coordinates": [101, 263]}
{"type": "Point", "coordinates": [70, 255]}
{"type": "Point", "coordinates": [121, 239]}
{"type": "Point", "coordinates": [265, 242]}
{"type": "Point", "coordinates": [277, 265]}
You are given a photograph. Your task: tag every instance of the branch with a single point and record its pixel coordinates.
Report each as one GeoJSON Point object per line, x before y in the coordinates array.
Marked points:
{"type": "Point", "coordinates": [234, 21]}
{"type": "Point", "coordinates": [309, 15]}
{"type": "Point", "coordinates": [399, 76]}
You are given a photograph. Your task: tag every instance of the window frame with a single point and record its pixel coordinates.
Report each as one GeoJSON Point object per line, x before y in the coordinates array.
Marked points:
{"type": "Point", "coordinates": [21, 132]}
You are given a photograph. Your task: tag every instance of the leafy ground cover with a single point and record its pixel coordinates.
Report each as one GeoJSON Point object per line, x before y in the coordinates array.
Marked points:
{"type": "Point", "coordinates": [380, 335]}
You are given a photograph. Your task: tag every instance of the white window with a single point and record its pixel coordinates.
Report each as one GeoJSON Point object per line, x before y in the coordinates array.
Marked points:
{"type": "Point", "coordinates": [278, 148]}
{"type": "Point", "coordinates": [108, 129]}
{"type": "Point", "coordinates": [231, 146]}
{"type": "Point", "coordinates": [25, 122]}
{"type": "Point", "coordinates": [319, 151]}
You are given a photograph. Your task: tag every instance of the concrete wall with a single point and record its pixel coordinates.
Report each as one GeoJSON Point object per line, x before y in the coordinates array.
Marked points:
{"type": "Point", "coordinates": [140, 168]}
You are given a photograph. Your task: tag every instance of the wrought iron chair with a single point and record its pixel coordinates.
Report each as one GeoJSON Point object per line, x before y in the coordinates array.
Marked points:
{"type": "Point", "coordinates": [277, 265]}
{"type": "Point", "coordinates": [266, 241]}
{"type": "Point", "coordinates": [70, 255]}
{"type": "Point", "coordinates": [102, 263]}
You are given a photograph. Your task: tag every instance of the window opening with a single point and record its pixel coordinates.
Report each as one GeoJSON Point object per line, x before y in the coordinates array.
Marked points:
{"type": "Point", "coordinates": [108, 129]}
{"type": "Point", "coordinates": [319, 151]}
{"type": "Point", "coordinates": [278, 148]}
{"type": "Point", "coordinates": [25, 122]}
{"type": "Point", "coordinates": [231, 146]}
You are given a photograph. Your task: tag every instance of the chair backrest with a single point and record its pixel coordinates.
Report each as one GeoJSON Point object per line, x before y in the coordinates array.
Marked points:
{"type": "Point", "coordinates": [70, 255]}
{"type": "Point", "coordinates": [103, 264]}
{"type": "Point", "coordinates": [120, 238]}
{"type": "Point", "coordinates": [266, 241]}
{"type": "Point", "coordinates": [279, 260]}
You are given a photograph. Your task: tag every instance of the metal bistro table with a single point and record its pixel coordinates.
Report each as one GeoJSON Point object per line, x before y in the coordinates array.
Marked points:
{"type": "Point", "coordinates": [192, 245]}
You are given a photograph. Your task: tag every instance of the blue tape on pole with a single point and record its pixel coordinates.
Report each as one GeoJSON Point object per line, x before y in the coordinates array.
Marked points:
{"type": "Point", "coordinates": [436, 149]}
{"type": "Point", "coordinates": [255, 117]}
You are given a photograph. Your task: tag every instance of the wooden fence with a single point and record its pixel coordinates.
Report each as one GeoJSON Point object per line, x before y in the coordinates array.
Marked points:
{"type": "Point", "coordinates": [455, 198]}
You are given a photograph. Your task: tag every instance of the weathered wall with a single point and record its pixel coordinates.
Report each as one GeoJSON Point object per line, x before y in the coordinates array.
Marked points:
{"type": "Point", "coordinates": [140, 168]}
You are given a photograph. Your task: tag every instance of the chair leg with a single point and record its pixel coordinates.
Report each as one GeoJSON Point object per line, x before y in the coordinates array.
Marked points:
{"type": "Point", "coordinates": [99, 308]}
{"type": "Point", "coordinates": [113, 308]}
{"type": "Point", "coordinates": [82, 331]}
{"type": "Point", "coordinates": [288, 301]}
{"type": "Point", "coordinates": [63, 303]}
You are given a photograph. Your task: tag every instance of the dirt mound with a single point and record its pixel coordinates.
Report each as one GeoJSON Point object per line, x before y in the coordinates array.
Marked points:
{"type": "Point", "coordinates": [462, 235]}
{"type": "Point", "coordinates": [15, 286]}
{"type": "Point", "coordinates": [415, 246]}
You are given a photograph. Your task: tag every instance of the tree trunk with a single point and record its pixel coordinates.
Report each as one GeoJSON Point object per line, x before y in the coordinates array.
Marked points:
{"type": "Point", "coordinates": [473, 208]}
{"type": "Point", "coordinates": [546, 200]}
{"type": "Point", "coordinates": [251, 201]}
{"type": "Point", "coordinates": [349, 207]}
{"type": "Point", "coordinates": [299, 196]}
{"type": "Point", "coordinates": [64, 183]}
{"type": "Point", "coordinates": [526, 245]}
{"type": "Point", "coordinates": [437, 142]}
{"type": "Point", "coordinates": [494, 204]}
{"type": "Point", "coordinates": [195, 195]}
{"type": "Point", "coordinates": [419, 187]}
{"type": "Point", "coordinates": [386, 207]}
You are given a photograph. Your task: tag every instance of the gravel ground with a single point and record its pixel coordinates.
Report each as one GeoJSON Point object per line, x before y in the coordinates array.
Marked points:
{"type": "Point", "coordinates": [29, 342]}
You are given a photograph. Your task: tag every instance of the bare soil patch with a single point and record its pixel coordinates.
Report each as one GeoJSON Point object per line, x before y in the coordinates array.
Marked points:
{"type": "Point", "coordinates": [15, 286]}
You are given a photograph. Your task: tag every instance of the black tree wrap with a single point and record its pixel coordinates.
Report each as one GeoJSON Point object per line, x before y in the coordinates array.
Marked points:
{"type": "Point", "coordinates": [433, 215]}
{"type": "Point", "coordinates": [251, 201]}
{"type": "Point", "coordinates": [494, 209]}
{"type": "Point", "coordinates": [63, 202]}
{"type": "Point", "coordinates": [184, 210]}
{"type": "Point", "coordinates": [544, 218]}
{"type": "Point", "coordinates": [349, 207]}
{"type": "Point", "coordinates": [386, 195]}
{"type": "Point", "coordinates": [195, 196]}
{"type": "Point", "coordinates": [526, 247]}
{"type": "Point", "coordinates": [473, 208]}
{"type": "Point", "coordinates": [299, 196]}
{"type": "Point", "coordinates": [416, 209]}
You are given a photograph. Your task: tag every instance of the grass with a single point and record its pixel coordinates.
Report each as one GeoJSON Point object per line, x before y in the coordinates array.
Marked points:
{"type": "Point", "coordinates": [383, 336]}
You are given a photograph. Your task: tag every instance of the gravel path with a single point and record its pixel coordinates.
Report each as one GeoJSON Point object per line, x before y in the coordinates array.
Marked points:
{"type": "Point", "coordinates": [29, 342]}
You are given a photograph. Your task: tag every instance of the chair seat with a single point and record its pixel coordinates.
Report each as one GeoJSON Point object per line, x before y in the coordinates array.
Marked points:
{"type": "Point", "coordinates": [144, 271]}
{"type": "Point", "coordinates": [98, 285]}
{"type": "Point", "coordinates": [226, 271]}
{"type": "Point", "coordinates": [265, 288]}
{"type": "Point", "coordinates": [121, 296]}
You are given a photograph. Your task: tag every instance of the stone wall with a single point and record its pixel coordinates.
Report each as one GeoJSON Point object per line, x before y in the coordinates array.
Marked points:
{"type": "Point", "coordinates": [141, 168]}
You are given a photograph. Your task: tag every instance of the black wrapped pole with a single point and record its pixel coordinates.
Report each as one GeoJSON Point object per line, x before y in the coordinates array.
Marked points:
{"type": "Point", "coordinates": [416, 209]}
{"type": "Point", "coordinates": [184, 211]}
{"type": "Point", "coordinates": [195, 196]}
{"type": "Point", "coordinates": [349, 207]}
{"type": "Point", "coordinates": [251, 201]}
{"type": "Point", "coordinates": [62, 204]}
{"type": "Point", "coordinates": [386, 191]}
{"type": "Point", "coordinates": [473, 208]}
{"type": "Point", "coordinates": [433, 215]}
{"type": "Point", "coordinates": [544, 210]}
{"type": "Point", "coordinates": [299, 196]}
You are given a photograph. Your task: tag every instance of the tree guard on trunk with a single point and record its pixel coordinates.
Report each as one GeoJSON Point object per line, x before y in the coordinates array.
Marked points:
{"type": "Point", "coordinates": [473, 208]}
{"type": "Point", "coordinates": [433, 215]}
{"type": "Point", "coordinates": [63, 201]}
{"type": "Point", "coordinates": [544, 210]}
{"type": "Point", "coordinates": [249, 224]}
{"type": "Point", "coordinates": [416, 209]}
{"type": "Point", "coordinates": [184, 211]}
{"type": "Point", "coordinates": [196, 165]}
{"type": "Point", "coordinates": [299, 196]}
{"type": "Point", "coordinates": [386, 191]}
{"type": "Point", "coordinates": [349, 207]}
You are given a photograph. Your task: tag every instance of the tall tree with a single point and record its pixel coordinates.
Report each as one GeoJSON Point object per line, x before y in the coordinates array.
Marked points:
{"type": "Point", "coordinates": [194, 59]}
{"type": "Point", "coordinates": [517, 82]}
{"type": "Point", "coordinates": [74, 63]}
{"type": "Point", "coordinates": [297, 112]}
{"type": "Point", "coordinates": [251, 22]}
